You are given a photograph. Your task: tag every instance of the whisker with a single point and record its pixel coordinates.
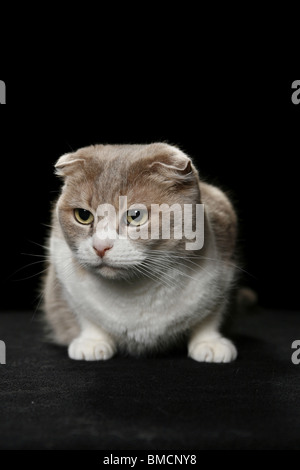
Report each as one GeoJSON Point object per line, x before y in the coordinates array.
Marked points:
{"type": "Point", "coordinates": [163, 263]}
{"type": "Point", "coordinates": [194, 256]}
{"type": "Point", "coordinates": [45, 247]}
{"type": "Point", "coordinates": [30, 277]}
{"type": "Point", "coordinates": [181, 273]}
{"type": "Point", "coordinates": [162, 274]}
{"type": "Point", "coordinates": [36, 255]}
{"type": "Point", "coordinates": [24, 267]}
{"type": "Point", "coordinates": [153, 276]}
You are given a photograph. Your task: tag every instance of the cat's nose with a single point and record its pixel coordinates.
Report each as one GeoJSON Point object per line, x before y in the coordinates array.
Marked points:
{"type": "Point", "coordinates": [101, 246]}
{"type": "Point", "coordinates": [101, 251]}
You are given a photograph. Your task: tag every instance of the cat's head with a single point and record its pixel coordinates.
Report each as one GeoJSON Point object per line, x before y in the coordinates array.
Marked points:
{"type": "Point", "coordinates": [121, 209]}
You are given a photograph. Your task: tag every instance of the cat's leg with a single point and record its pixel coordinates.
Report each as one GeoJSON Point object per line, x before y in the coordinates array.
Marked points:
{"type": "Point", "coordinates": [62, 325]}
{"type": "Point", "coordinates": [206, 344]}
{"type": "Point", "coordinates": [93, 343]}
{"type": "Point", "coordinates": [85, 341]}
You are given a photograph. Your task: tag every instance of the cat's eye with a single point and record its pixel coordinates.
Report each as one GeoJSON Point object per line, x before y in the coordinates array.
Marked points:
{"type": "Point", "coordinates": [83, 216]}
{"type": "Point", "coordinates": [136, 217]}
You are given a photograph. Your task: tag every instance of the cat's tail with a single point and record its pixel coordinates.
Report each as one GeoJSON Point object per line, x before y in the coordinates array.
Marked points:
{"type": "Point", "coordinates": [246, 299]}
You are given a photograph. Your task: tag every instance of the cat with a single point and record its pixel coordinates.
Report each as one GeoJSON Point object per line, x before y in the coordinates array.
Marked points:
{"type": "Point", "coordinates": [104, 293]}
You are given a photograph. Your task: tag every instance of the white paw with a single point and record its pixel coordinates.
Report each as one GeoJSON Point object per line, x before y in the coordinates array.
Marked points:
{"type": "Point", "coordinates": [215, 350]}
{"type": "Point", "coordinates": [90, 349]}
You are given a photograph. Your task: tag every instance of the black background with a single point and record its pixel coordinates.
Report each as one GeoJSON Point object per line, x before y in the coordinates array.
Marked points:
{"type": "Point", "coordinates": [243, 134]}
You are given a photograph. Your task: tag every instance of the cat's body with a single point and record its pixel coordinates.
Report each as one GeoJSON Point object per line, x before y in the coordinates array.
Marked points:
{"type": "Point", "coordinates": [109, 294]}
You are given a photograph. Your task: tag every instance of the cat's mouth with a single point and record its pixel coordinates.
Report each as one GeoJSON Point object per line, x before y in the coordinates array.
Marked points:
{"type": "Point", "coordinates": [116, 269]}
{"type": "Point", "coordinates": [112, 272]}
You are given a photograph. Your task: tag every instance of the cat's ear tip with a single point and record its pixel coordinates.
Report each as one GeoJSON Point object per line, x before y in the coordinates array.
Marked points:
{"type": "Point", "coordinates": [173, 159]}
{"type": "Point", "coordinates": [181, 166]}
{"type": "Point", "coordinates": [66, 163]}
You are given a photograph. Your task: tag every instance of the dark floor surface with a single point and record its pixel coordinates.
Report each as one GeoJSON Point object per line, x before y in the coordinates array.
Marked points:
{"type": "Point", "coordinates": [48, 401]}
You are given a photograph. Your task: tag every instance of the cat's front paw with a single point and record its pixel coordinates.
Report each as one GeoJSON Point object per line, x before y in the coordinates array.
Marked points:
{"type": "Point", "coordinates": [215, 350]}
{"type": "Point", "coordinates": [90, 350]}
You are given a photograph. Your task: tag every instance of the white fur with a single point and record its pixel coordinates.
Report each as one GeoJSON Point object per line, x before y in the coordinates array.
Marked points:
{"type": "Point", "coordinates": [207, 345]}
{"type": "Point", "coordinates": [213, 350]}
{"type": "Point", "coordinates": [138, 314]}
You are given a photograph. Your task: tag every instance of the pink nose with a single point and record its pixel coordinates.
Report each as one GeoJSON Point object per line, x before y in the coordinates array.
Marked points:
{"type": "Point", "coordinates": [101, 245]}
{"type": "Point", "coordinates": [101, 251]}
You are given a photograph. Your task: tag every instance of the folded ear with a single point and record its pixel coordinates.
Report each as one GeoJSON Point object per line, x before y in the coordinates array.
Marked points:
{"type": "Point", "coordinates": [66, 163]}
{"type": "Point", "coordinates": [174, 165]}
{"type": "Point", "coordinates": [171, 162]}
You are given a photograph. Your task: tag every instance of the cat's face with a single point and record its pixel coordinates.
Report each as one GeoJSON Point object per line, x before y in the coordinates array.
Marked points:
{"type": "Point", "coordinates": [107, 208]}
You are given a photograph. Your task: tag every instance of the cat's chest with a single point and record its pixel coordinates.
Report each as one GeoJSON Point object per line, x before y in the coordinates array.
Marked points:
{"type": "Point", "coordinates": [124, 312]}
{"type": "Point", "coordinates": [128, 308]}
{"type": "Point", "coordinates": [113, 296]}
